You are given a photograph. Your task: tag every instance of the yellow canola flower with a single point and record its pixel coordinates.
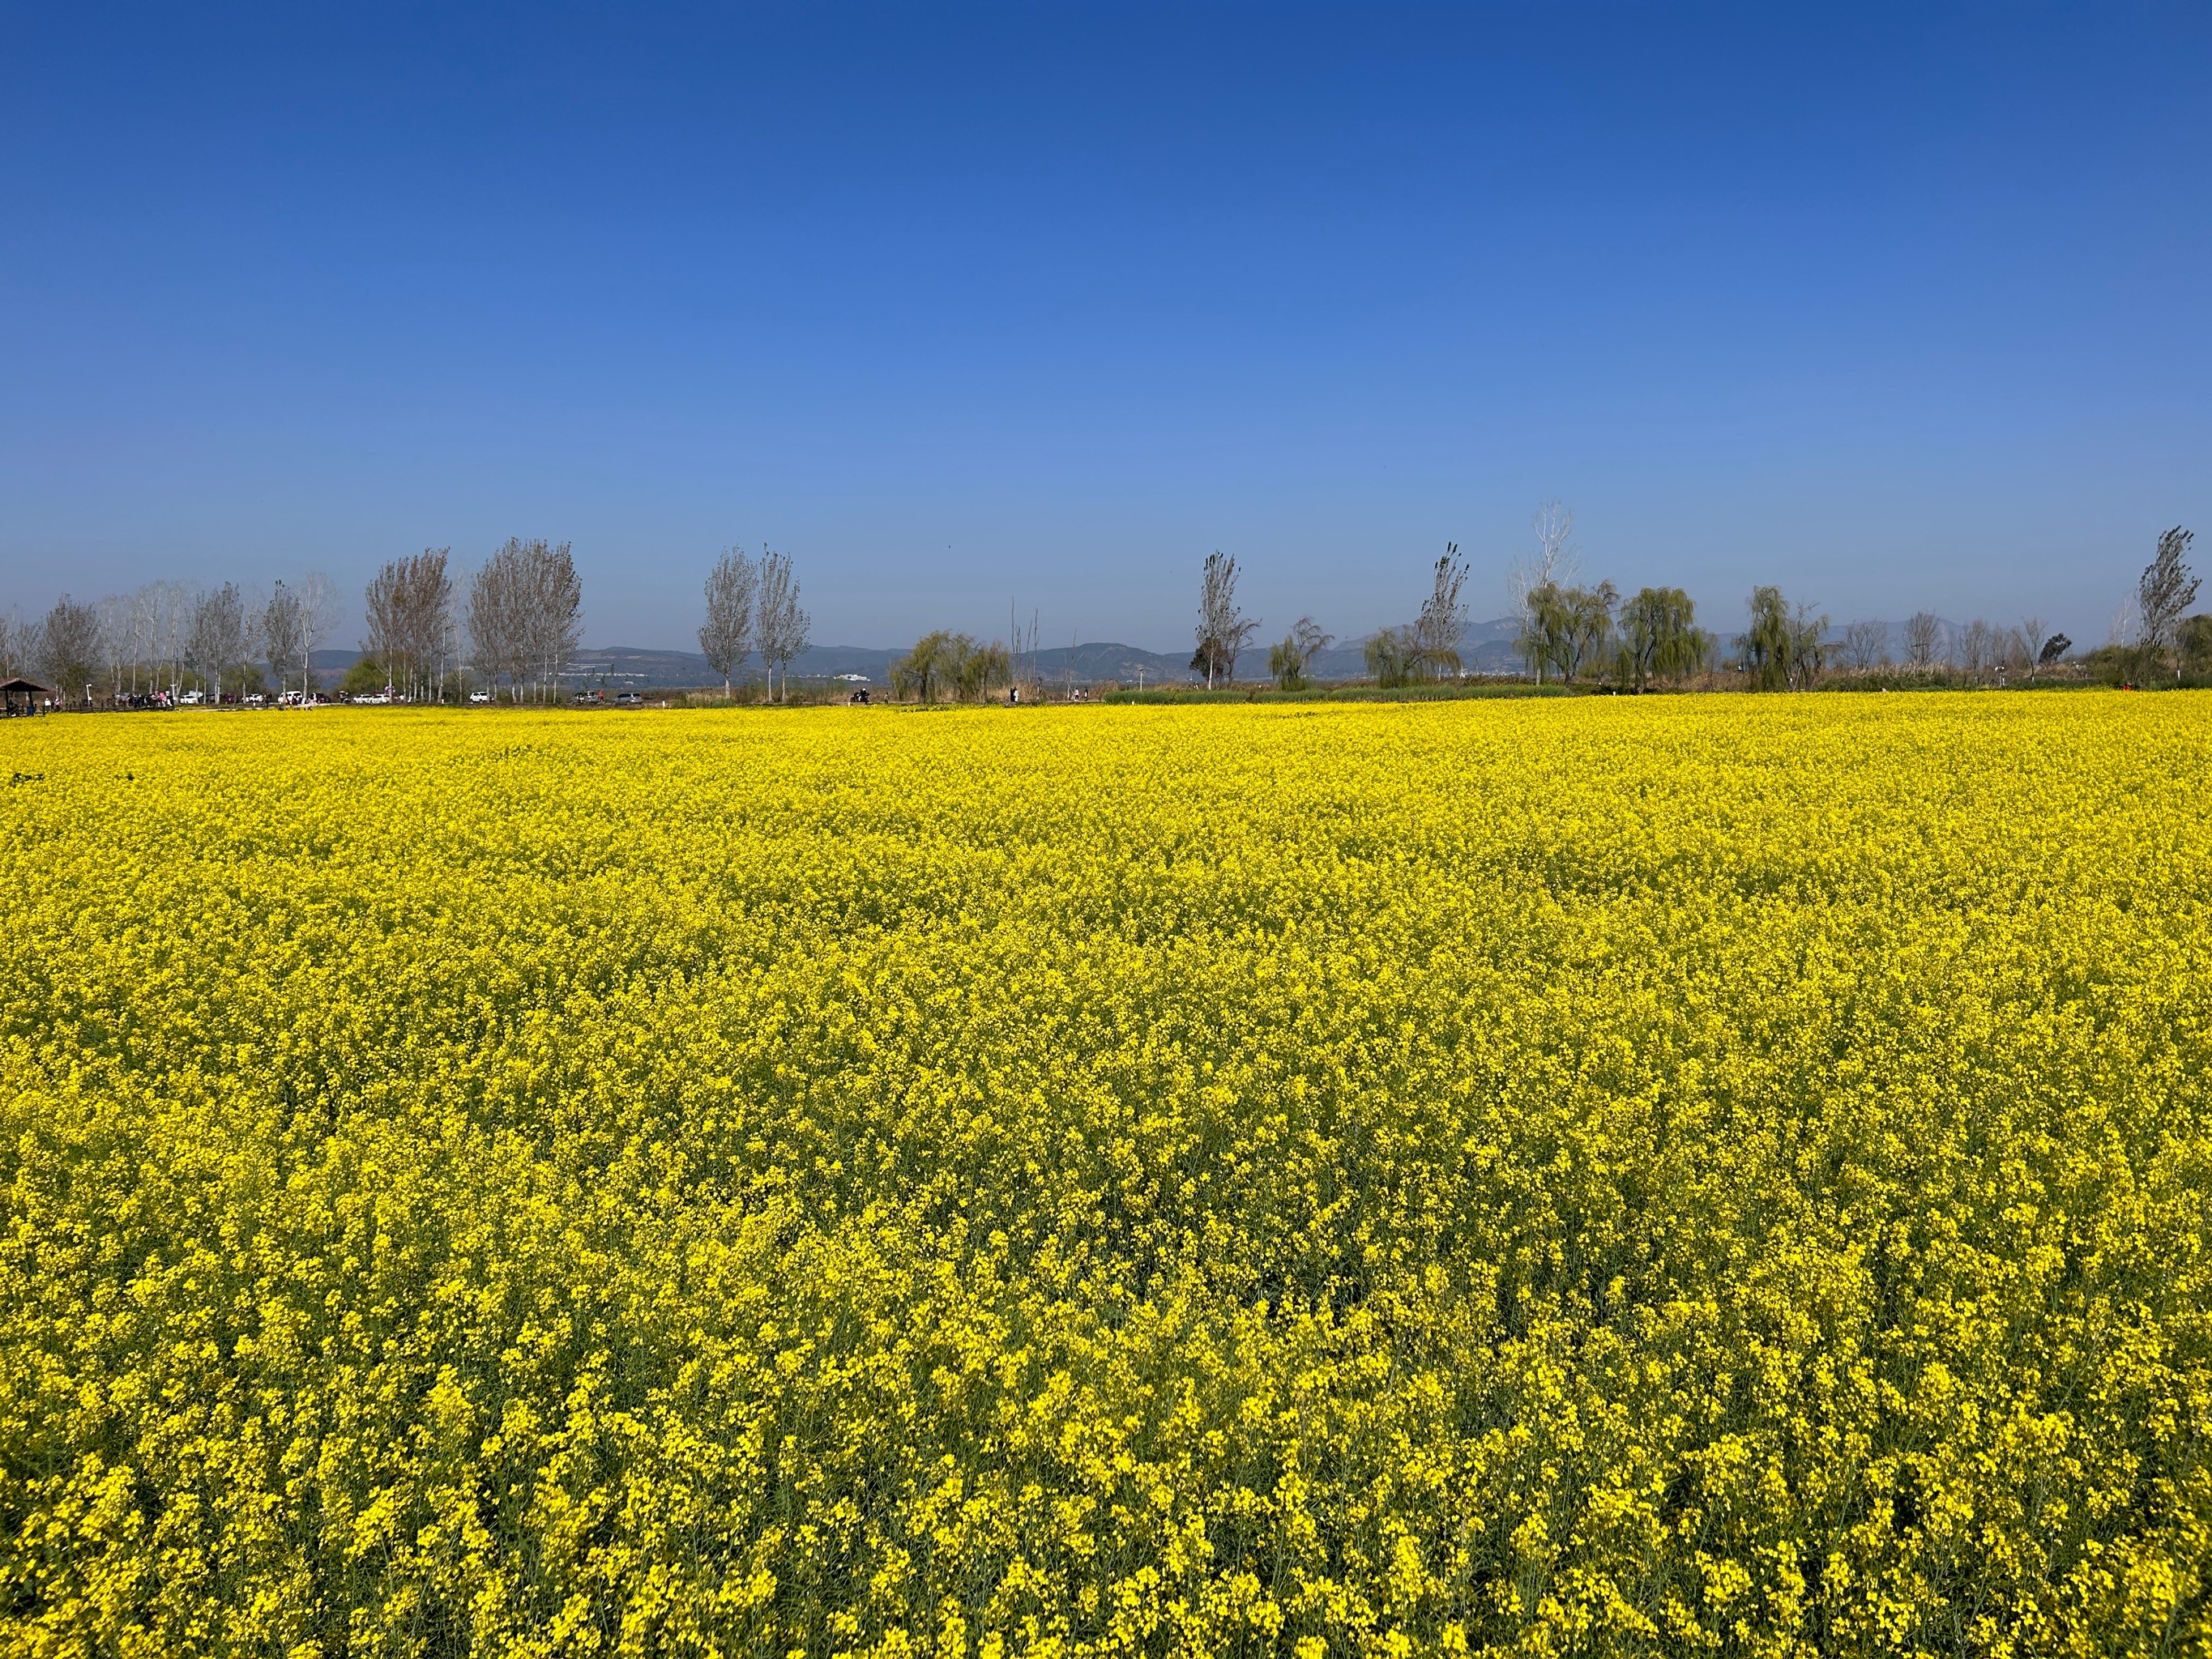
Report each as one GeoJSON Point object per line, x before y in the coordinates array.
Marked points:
{"type": "Point", "coordinates": [1609, 1175]}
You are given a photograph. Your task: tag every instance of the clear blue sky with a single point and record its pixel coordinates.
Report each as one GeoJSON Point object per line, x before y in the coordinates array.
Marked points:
{"type": "Point", "coordinates": [1897, 307]}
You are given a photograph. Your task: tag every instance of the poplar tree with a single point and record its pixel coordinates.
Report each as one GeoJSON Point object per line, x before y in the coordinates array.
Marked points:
{"type": "Point", "coordinates": [782, 625]}
{"type": "Point", "coordinates": [726, 637]}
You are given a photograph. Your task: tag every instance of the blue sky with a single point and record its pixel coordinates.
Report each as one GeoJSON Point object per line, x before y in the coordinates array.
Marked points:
{"type": "Point", "coordinates": [1894, 306]}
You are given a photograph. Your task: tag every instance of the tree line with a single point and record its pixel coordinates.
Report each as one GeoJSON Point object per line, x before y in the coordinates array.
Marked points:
{"type": "Point", "coordinates": [1570, 632]}
{"type": "Point", "coordinates": [164, 636]}
{"type": "Point", "coordinates": [513, 625]}
{"type": "Point", "coordinates": [520, 619]}
{"type": "Point", "coordinates": [752, 605]}
{"type": "Point", "coordinates": [517, 626]}
{"type": "Point", "coordinates": [1566, 632]}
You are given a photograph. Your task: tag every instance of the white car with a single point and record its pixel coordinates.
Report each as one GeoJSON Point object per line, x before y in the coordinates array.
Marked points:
{"type": "Point", "coordinates": [379, 697]}
{"type": "Point", "coordinates": [479, 696]}
{"type": "Point", "coordinates": [192, 697]}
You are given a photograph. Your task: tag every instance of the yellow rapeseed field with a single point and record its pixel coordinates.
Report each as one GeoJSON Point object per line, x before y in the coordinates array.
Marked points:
{"type": "Point", "coordinates": [1653, 1175]}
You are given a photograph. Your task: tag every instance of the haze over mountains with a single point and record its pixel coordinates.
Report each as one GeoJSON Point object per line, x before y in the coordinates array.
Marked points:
{"type": "Point", "coordinates": [1486, 648]}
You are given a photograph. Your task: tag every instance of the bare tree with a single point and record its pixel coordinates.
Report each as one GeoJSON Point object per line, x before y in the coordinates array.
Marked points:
{"type": "Point", "coordinates": [1024, 650]}
{"type": "Point", "coordinates": [1923, 632]}
{"type": "Point", "coordinates": [284, 632]}
{"type": "Point", "coordinates": [1443, 621]}
{"type": "Point", "coordinates": [411, 611]}
{"type": "Point", "coordinates": [1554, 524]}
{"type": "Point", "coordinates": [1546, 571]}
{"type": "Point", "coordinates": [318, 620]}
{"type": "Point", "coordinates": [15, 651]}
{"type": "Point", "coordinates": [1975, 650]}
{"type": "Point", "coordinates": [555, 612]}
{"type": "Point", "coordinates": [139, 620]}
{"type": "Point", "coordinates": [382, 601]}
{"type": "Point", "coordinates": [781, 625]}
{"type": "Point", "coordinates": [69, 648]}
{"type": "Point", "coordinates": [1222, 630]}
{"type": "Point", "coordinates": [145, 634]}
{"type": "Point", "coordinates": [2167, 591]}
{"type": "Point", "coordinates": [216, 646]}
{"type": "Point", "coordinates": [1866, 644]}
{"type": "Point", "coordinates": [114, 613]}
{"type": "Point", "coordinates": [171, 604]}
{"type": "Point", "coordinates": [726, 637]}
{"type": "Point", "coordinates": [1808, 646]}
{"type": "Point", "coordinates": [494, 617]}
{"type": "Point", "coordinates": [2031, 638]}
{"type": "Point", "coordinates": [2125, 617]}
{"type": "Point", "coordinates": [427, 609]}
{"type": "Point", "coordinates": [525, 613]}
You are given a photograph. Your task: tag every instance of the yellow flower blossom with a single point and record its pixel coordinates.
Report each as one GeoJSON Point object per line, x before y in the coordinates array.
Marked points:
{"type": "Point", "coordinates": [1610, 1174]}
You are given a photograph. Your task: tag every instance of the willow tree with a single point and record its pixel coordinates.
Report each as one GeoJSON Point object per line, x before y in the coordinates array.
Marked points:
{"type": "Point", "coordinates": [1660, 638]}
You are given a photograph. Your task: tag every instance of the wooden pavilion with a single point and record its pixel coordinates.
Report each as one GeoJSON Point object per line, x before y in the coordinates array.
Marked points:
{"type": "Point", "coordinates": [23, 696]}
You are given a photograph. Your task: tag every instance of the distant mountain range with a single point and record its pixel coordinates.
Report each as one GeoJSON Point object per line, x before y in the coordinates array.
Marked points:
{"type": "Point", "coordinates": [1486, 648]}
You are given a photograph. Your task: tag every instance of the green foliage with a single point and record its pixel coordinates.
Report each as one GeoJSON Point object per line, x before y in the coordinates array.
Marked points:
{"type": "Point", "coordinates": [1287, 662]}
{"type": "Point", "coordinates": [2194, 640]}
{"type": "Point", "coordinates": [1782, 649]}
{"type": "Point", "coordinates": [365, 677]}
{"type": "Point", "coordinates": [1567, 628]}
{"type": "Point", "coordinates": [985, 668]}
{"type": "Point", "coordinates": [1393, 657]}
{"type": "Point", "coordinates": [1660, 638]}
{"type": "Point", "coordinates": [944, 664]}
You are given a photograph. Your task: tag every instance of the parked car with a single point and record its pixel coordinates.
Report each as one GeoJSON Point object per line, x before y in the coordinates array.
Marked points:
{"type": "Point", "coordinates": [255, 700]}
{"type": "Point", "coordinates": [479, 696]}
{"type": "Point", "coordinates": [375, 696]}
{"type": "Point", "coordinates": [192, 698]}
{"type": "Point", "coordinates": [631, 700]}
